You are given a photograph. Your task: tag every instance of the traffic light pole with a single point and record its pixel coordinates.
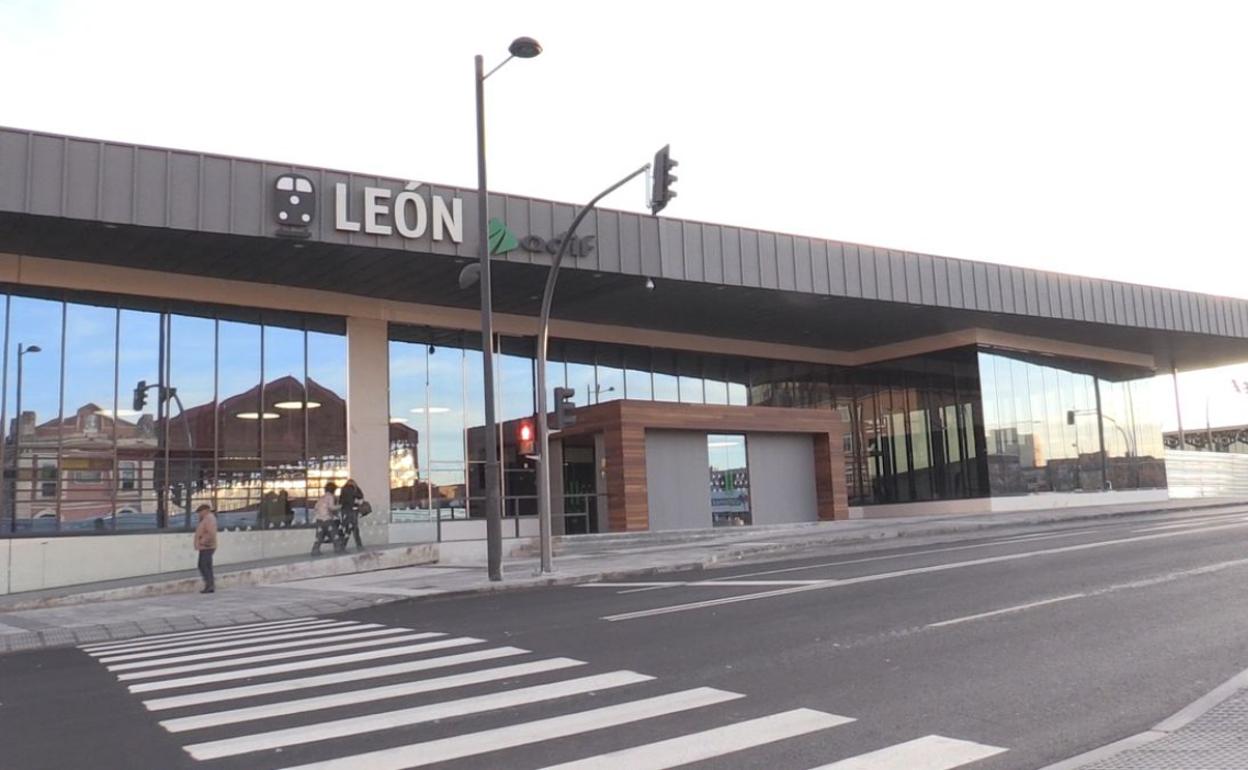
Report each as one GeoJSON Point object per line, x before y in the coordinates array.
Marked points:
{"type": "Point", "coordinates": [543, 338]}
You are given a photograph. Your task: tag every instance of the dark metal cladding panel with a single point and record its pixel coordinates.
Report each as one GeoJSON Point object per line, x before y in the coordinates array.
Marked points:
{"type": "Point", "coordinates": [999, 282]}
{"type": "Point", "coordinates": [82, 176]}
{"type": "Point", "coordinates": [1047, 302]}
{"type": "Point", "coordinates": [803, 279]}
{"type": "Point", "coordinates": [983, 294]}
{"type": "Point", "coordinates": [672, 248]}
{"type": "Point", "coordinates": [712, 253]}
{"type": "Point", "coordinates": [606, 253]}
{"type": "Point", "coordinates": [1148, 302]}
{"type": "Point", "coordinates": [1018, 283]}
{"type": "Point", "coordinates": [1104, 294]}
{"type": "Point", "coordinates": [631, 244]}
{"type": "Point", "coordinates": [152, 188]}
{"type": "Point", "coordinates": [927, 278]}
{"type": "Point", "coordinates": [516, 213]}
{"type": "Point", "coordinates": [651, 264]}
{"type": "Point", "coordinates": [1065, 297]}
{"type": "Point", "coordinates": [541, 220]}
{"type": "Point", "coordinates": [786, 263]}
{"type": "Point", "coordinates": [1186, 313]}
{"type": "Point", "coordinates": [1092, 308]}
{"type": "Point", "coordinates": [853, 270]}
{"type": "Point", "coordinates": [1131, 304]}
{"type": "Point", "coordinates": [14, 152]}
{"type": "Point", "coordinates": [969, 280]}
{"type": "Point", "coordinates": [751, 270]}
{"type": "Point", "coordinates": [695, 269]}
{"type": "Point", "coordinates": [47, 175]}
{"type": "Point", "coordinates": [215, 203]}
{"type": "Point", "coordinates": [1168, 315]}
{"type": "Point", "coordinates": [820, 265]}
{"type": "Point", "coordinates": [880, 283]}
{"type": "Point", "coordinates": [730, 242]}
{"type": "Point", "coordinates": [561, 224]}
{"type": "Point", "coordinates": [1234, 310]}
{"type": "Point", "coordinates": [246, 201]}
{"type": "Point", "coordinates": [1205, 315]}
{"type": "Point", "coordinates": [940, 282]}
{"type": "Point", "coordinates": [837, 282]}
{"type": "Point", "coordinates": [897, 275]}
{"type": "Point", "coordinates": [1031, 297]}
{"type": "Point", "coordinates": [184, 190]}
{"type": "Point", "coordinates": [914, 280]}
{"type": "Point", "coordinates": [769, 277]}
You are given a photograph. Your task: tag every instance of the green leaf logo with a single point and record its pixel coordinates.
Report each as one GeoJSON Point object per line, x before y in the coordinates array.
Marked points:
{"type": "Point", "coordinates": [501, 239]}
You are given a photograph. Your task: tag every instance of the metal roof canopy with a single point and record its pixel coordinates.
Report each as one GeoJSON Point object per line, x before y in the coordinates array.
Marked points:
{"type": "Point", "coordinates": [210, 215]}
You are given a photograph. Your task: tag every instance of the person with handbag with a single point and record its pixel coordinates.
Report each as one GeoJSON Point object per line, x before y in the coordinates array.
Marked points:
{"type": "Point", "coordinates": [206, 545]}
{"type": "Point", "coordinates": [349, 499]}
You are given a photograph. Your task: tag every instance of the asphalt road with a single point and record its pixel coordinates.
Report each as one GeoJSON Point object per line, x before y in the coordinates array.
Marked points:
{"type": "Point", "coordinates": [1005, 652]}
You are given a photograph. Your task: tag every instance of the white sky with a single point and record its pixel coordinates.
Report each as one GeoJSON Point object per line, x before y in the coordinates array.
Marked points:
{"type": "Point", "coordinates": [1103, 138]}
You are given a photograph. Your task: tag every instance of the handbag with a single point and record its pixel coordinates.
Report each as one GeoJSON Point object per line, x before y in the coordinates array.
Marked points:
{"type": "Point", "coordinates": [365, 508]}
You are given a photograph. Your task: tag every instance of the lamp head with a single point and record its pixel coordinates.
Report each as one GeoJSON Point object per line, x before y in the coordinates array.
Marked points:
{"type": "Point", "coordinates": [524, 48]}
{"type": "Point", "coordinates": [34, 349]}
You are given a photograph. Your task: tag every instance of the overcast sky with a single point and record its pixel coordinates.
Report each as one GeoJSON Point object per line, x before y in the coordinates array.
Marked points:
{"type": "Point", "coordinates": [1108, 139]}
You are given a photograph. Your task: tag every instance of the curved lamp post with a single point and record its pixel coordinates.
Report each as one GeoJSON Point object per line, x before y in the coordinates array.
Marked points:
{"type": "Point", "coordinates": [520, 48]}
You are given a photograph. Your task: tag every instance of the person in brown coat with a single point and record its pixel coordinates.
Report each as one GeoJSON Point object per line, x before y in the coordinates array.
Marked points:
{"type": "Point", "coordinates": [206, 544]}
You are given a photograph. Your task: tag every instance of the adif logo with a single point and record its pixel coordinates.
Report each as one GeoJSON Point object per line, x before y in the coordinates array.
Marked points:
{"type": "Point", "coordinates": [294, 201]}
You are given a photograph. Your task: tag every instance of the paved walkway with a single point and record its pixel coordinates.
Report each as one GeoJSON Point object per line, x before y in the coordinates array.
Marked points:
{"type": "Point", "coordinates": [579, 559]}
{"type": "Point", "coordinates": [1210, 734]}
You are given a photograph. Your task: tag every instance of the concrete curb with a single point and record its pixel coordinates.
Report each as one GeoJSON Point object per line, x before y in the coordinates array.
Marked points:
{"type": "Point", "coordinates": [1175, 722]}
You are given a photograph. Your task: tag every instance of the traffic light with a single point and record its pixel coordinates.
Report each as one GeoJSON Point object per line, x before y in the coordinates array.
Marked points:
{"type": "Point", "coordinates": [563, 408]}
{"type": "Point", "coordinates": [524, 437]}
{"type": "Point", "coordinates": [661, 192]}
{"type": "Point", "coordinates": [140, 395]}
{"type": "Point", "coordinates": [1070, 416]}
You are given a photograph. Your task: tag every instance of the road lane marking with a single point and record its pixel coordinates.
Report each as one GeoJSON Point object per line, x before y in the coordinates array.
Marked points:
{"type": "Point", "coordinates": [1193, 523]}
{"type": "Point", "coordinates": [369, 695]}
{"type": "Point", "coordinates": [368, 723]}
{"type": "Point", "coordinates": [931, 752]}
{"type": "Point", "coordinates": [837, 583]}
{"type": "Point", "coordinates": [325, 680]}
{"type": "Point", "coordinates": [511, 736]}
{"type": "Point", "coordinates": [293, 647]}
{"type": "Point", "coordinates": [885, 557]}
{"type": "Point", "coordinates": [1005, 610]}
{"type": "Point", "coordinates": [220, 630]}
{"type": "Point", "coordinates": [334, 628]}
{"type": "Point", "coordinates": [707, 583]}
{"type": "Point", "coordinates": [302, 665]}
{"type": "Point", "coordinates": [712, 743]}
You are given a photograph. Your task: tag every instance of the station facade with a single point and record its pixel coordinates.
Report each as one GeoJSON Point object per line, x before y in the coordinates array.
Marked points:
{"type": "Point", "coordinates": [311, 325]}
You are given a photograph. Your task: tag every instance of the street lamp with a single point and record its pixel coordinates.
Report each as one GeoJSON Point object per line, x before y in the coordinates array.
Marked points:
{"type": "Point", "coordinates": [520, 48]}
{"type": "Point", "coordinates": [17, 434]}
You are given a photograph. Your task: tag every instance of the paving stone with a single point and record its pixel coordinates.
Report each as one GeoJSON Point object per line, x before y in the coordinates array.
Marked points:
{"type": "Point", "coordinates": [1217, 740]}
{"type": "Point", "coordinates": [91, 634]}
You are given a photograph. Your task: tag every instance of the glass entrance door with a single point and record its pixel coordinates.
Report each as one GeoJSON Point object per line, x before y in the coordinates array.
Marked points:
{"type": "Point", "coordinates": [730, 479]}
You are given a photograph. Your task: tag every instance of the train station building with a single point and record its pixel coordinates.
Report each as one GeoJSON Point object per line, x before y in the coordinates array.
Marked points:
{"type": "Point", "coordinates": [312, 326]}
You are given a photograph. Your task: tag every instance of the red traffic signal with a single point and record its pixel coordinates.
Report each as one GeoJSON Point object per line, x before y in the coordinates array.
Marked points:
{"type": "Point", "coordinates": [525, 434]}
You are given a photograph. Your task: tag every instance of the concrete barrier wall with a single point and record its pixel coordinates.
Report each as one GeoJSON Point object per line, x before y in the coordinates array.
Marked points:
{"type": "Point", "coordinates": [35, 563]}
{"type": "Point", "coordinates": [1206, 474]}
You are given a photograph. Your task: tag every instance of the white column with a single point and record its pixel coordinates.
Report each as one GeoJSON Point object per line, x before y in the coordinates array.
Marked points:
{"type": "Point", "coordinates": [368, 413]}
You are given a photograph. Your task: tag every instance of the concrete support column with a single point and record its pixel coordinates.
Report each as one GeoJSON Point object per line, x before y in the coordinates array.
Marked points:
{"type": "Point", "coordinates": [368, 417]}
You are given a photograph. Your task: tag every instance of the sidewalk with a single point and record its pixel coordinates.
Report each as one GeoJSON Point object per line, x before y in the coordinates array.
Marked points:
{"type": "Point", "coordinates": [298, 588]}
{"type": "Point", "coordinates": [1210, 734]}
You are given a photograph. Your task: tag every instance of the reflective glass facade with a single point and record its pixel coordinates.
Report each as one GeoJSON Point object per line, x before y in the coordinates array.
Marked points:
{"type": "Point", "coordinates": [1051, 427]}
{"type": "Point", "coordinates": [243, 410]}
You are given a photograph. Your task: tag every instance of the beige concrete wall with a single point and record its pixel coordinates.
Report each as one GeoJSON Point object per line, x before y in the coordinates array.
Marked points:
{"type": "Point", "coordinates": [368, 411]}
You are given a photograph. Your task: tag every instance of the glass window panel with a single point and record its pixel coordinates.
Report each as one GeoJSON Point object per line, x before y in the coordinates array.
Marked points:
{"type": "Point", "coordinates": [288, 408]}
{"type": "Point", "coordinates": [409, 456]}
{"type": "Point", "coordinates": [730, 479]}
{"type": "Point", "coordinates": [638, 385]}
{"type": "Point", "coordinates": [139, 445]}
{"type": "Point", "coordinates": [609, 374]}
{"type": "Point", "coordinates": [327, 424]}
{"type": "Point", "coordinates": [87, 433]}
{"type": "Point", "coordinates": [665, 386]}
{"type": "Point", "coordinates": [238, 423]}
{"type": "Point", "coordinates": [33, 404]}
{"type": "Point", "coordinates": [184, 465]}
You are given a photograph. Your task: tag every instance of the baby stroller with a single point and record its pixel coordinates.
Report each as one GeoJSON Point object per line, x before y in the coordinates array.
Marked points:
{"type": "Point", "coordinates": [333, 530]}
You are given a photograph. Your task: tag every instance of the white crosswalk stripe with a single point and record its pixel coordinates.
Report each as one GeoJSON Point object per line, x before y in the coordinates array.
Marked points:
{"type": "Point", "coordinates": [309, 687]}
{"type": "Point", "coordinates": [302, 633]}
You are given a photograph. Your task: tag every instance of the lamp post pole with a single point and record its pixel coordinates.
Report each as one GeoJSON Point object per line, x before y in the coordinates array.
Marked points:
{"type": "Point", "coordinates": [17, 434]}
{"type": "Point", "coordinates": [493, 513]}
{"type": "Point", "coordinates": [524, 48]}
{"type": "Point", "coordinates": [543, 338]}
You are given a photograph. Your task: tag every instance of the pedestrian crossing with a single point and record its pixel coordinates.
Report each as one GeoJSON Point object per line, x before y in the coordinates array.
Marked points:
{"type": "Point", "coordinates": [320, 693]}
